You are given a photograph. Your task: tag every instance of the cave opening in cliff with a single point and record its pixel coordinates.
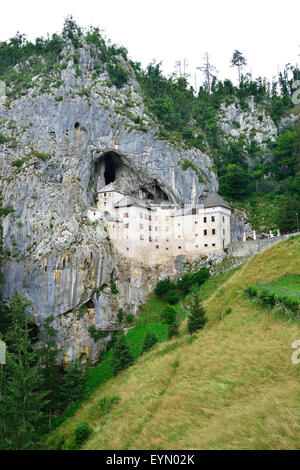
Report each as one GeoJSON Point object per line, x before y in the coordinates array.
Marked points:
{"type": "Point", "coordinates": [111, 164]}
{"type": "Point", "coordinates": [155, 193]}
{"type": "Point", "coordinates": [160, 194]}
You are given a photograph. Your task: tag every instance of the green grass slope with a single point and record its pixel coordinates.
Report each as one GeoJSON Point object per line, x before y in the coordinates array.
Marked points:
{"type": "Point", "coordinates": [231, 386]}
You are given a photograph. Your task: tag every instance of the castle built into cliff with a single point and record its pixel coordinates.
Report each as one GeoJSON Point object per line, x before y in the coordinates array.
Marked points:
{"type": "Point", "coordinates": [154, 233]}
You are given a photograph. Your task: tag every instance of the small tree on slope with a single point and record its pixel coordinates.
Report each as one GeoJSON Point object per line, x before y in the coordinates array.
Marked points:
{"type": "Point", "coordinates": [197, 317]}
{"type": "Point", "coordinates": [121, 358]}
{"type": "Point", "coordinates": [149, 341]}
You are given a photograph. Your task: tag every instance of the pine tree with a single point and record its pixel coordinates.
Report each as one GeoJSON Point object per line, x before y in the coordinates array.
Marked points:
{"type": "Point", "coordinates": [74, 384]}
{"type": "Point", "coordinates": [50, 371]}
{"type": "Point", "coordinates": [21, 398]}
{"type": "Point", "coordinates": [121, 358]}
{"type": "Point", "coordinates": [239, 61]}
{"type": "Point", "coordinates": [169, 315]}
{"type": "Point", "coordinates": [149, 341]}
{"type": "Point", "coordinates": [197, 318]}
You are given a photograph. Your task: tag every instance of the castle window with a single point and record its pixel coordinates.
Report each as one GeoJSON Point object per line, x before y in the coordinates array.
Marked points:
{"type": "Point", "coordinates": [213, 218]}
{"type": "Point", "coordinates": [197, 246]}
{"type": "Point", "coordinates": [179, 248]}
{"type": "Point", "coordinates": [141, 215]}
{"type": "Point", "coordinates": [126, 225]}
{"type": "Point", "coordinates": [213, 231]}
{"type": "Point", "coordinates": [141, 226]}
{"type": "Point", "coordinates": [205, 220]}
{"type": "Point", "coordinates": [178, 236]}
{"type": "Point", "coordinates": [223, 218]}
{"type": "Point", "coordinates": [150, 218]}
{"type": "Point", "coordinates": [213, 244]}
{"type": "Point", "coordinates": [194, 211]}
{"type": "Point", "coordinates": [157, 246]}
{"type": "Point", "coordinates": [206, 244]}
{"type": "Point", "coordinates": [105, 203]}
{"type": "Point", "coordinates": [94, 213]}
{"type": "Point", "coordinates": [150, 228]}
{"type": "Point", "coordinates": [167, 249]}
{"type": "Point", "coordinates": [205, 232]}
{"type": "Point", "coordinates": [76, 125]}
{"type": "Point", "coordinates": [141, 237]}
{"type": "Point", "coordinates": [196, 221]}
{"type": "Point", "coordinates": [224, 232]}
{"type": "Point", "coordinates": [196, 234]}
{"type": "Point", "coordinates": [126, 214]}
{"type": "Point", "coordinates": [104, 194]}
{"type": "Point", "coordinates": [150, 239]}
{"type": "Point", "coordinates": [178, 225]}
{"type": "Point", "coordinates": [156, 228]}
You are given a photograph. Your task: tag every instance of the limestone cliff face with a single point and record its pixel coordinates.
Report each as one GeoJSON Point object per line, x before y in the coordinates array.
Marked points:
{"type": "Point", "coordinates": [252, 122]}
{"type": "Point", "coordinates": [59, 147]}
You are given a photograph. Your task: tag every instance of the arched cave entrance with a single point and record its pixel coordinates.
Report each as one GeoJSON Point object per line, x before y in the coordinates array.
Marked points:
{"type": "Point", "coordinates": [110, 164]}
{"type": "Point", "coordinates": [113, 167]}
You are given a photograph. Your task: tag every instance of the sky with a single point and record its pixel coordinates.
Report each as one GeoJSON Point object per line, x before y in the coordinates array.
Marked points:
{"type": "Point", "coordinates": [267, 32]}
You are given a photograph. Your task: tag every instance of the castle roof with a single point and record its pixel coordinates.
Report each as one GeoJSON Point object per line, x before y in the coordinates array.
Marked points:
{"type": "Point", "coordinates": [127, 201]}
{"type": "Point", "coordinates": [215, 200]}
{"type": "Point", "coordinates": [109, 187]}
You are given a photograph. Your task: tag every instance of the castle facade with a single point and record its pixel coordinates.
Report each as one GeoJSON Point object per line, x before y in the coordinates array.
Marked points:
{"type": "Point", "coordinates": [154, 233]}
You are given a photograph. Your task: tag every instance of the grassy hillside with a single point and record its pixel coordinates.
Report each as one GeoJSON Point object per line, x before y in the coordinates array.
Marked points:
{"type": "Point", "coordinates": [231, 386]}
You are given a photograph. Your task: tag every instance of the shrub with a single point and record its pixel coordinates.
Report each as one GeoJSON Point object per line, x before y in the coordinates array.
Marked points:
{"type": "Point", "coordinates": [162, 287]}
{"type": "Point", "coordinates": [267, 298]}
{"type": "Point", "coordinates": [130, 318]}
{"type": "Point", "coordinates": [290, 303]}
{"type": "Point", "coordinates": [82, 433]}
{"type": "Point", "coordinates": [184, 283]}
{"type": "Point", "coordinates": [3, 138]}
{"type": "Point", "coordinates": [113, 289]}
{"type": "Point", "coordinates": [117, 74]}
{"type": "Point", "coordinates": [18, 162]}
{"type": "Point", "coordinates": [200, 276]}
{"type": "Point", "coordinates": [251, 291]}
{"type": "Point", "coordinates": [171, 297]}
{"type": "Point", "coordinates": [149, 341]}
{"type": "Point", "coordinates": [228, 311]}
{"type": "Point", "coordinates": [106, 404]}
{"type": "Point", "coordinates": [197, 316]}
{"type": "Point", "coordinates": [96, 333]}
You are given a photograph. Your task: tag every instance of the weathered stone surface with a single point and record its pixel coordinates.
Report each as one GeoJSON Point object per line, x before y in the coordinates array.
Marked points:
{"type": "Point", "coordinates": [254, 123]}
